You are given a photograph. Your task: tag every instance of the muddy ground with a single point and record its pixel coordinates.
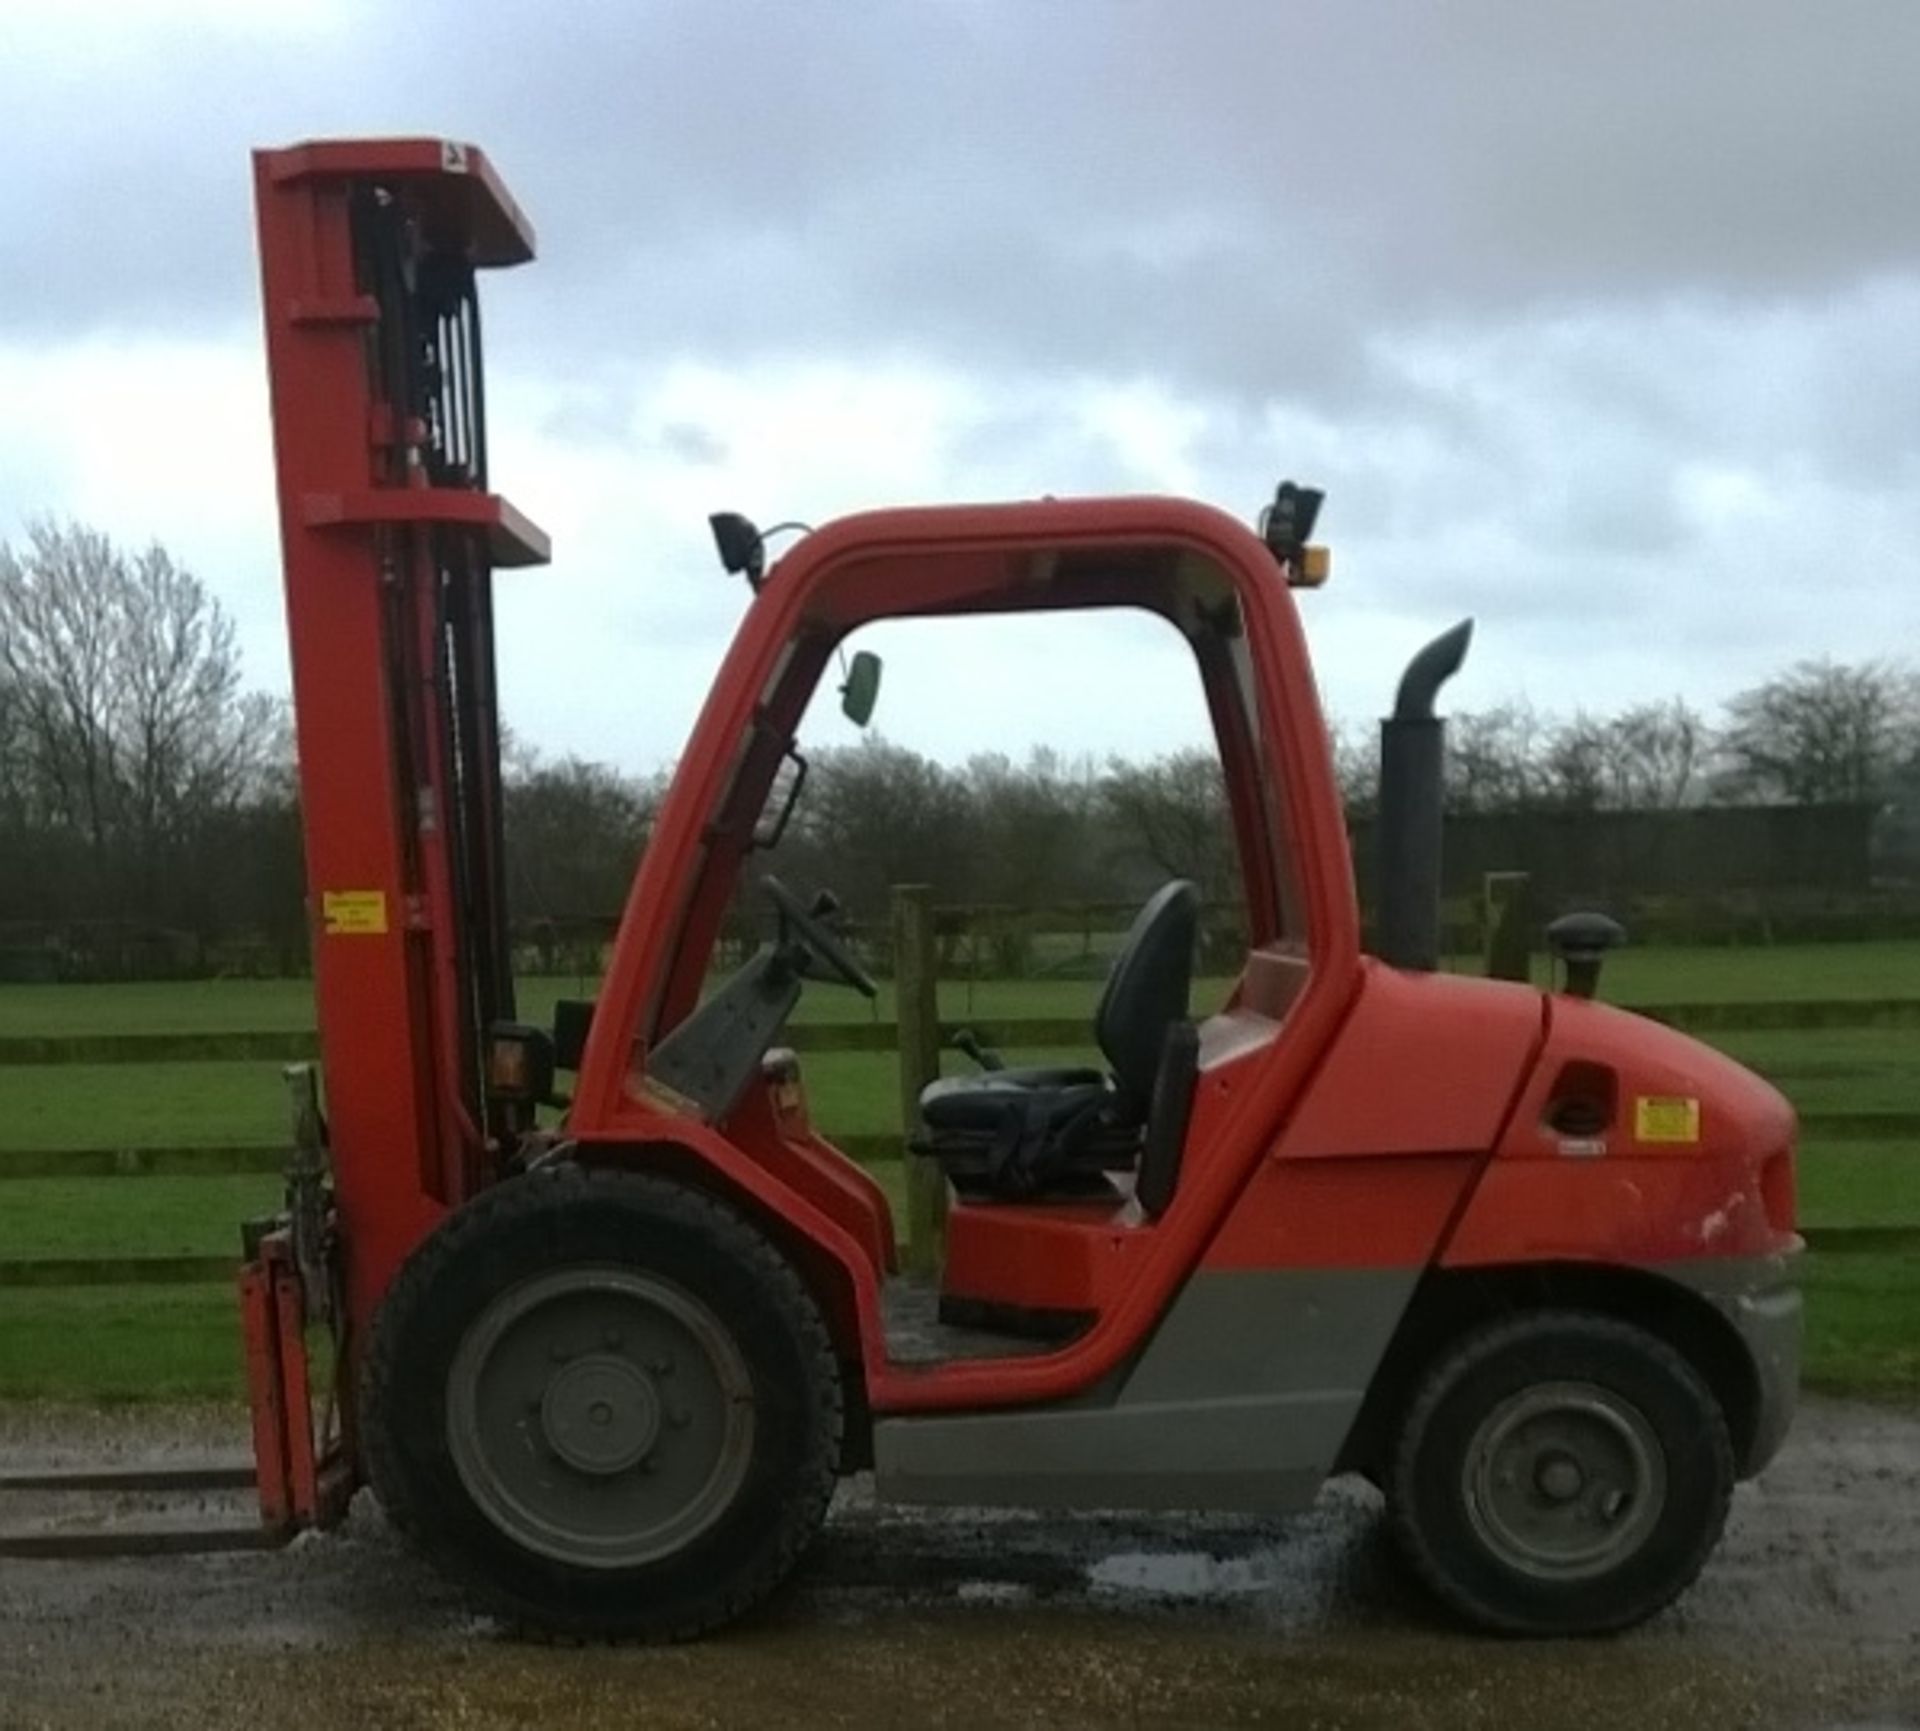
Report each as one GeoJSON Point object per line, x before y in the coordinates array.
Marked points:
{"type": "Point", "coordinates": [1809, 1616]}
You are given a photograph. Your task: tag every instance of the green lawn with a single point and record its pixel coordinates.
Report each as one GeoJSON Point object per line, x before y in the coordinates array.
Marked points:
{"type": "Point", "coordinates": [1863, 1324]}
{"type": "Point", "coordinates": [1836, 1069]}
{"type": "Point", "coordinates": [1864, 1311]}
{"type": "Point", "coordinates": [1860, 1184]}
{"type": "Point", "coordinates": [140, 1105]}
{"type": "Point", "coordinates": [131, 1216]}
{"type": "Point", "coordinates": [120, 1343]}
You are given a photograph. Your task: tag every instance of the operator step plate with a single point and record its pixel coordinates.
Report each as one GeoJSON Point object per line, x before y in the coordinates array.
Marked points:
{"type": "Point", "coordinates": [131, 1511]}
{"type": "Point", "coordinates": [910, 1308]}
{"type": "Point", "coordinates": [78, 1544]}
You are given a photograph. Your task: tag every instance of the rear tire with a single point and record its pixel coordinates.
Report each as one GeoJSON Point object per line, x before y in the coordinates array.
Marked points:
{"type": "Point", "coordinates": [605, 1405]}
{"type": "Point", "coordinates": [1560, 1474]}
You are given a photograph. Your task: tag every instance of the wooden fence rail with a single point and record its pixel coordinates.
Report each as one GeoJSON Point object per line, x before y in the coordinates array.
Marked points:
{"type": "Point", "coordinates": [1014, 1033]}
{"type": "Point", "coordinates": [206, 1160]}
{"type": "Point", "coordinates": [1895, 1132]}
{"type": "Point", "coordinates": [135, 1271]}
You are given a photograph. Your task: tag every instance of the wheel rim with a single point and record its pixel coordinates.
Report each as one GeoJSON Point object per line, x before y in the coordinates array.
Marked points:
{"type": "Point", "coordinates": [1564, 1481]}
{"type": "Point", "coordinates": [600, 1417]}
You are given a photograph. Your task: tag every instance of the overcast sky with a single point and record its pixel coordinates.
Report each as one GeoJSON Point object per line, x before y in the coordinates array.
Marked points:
{"type": "Point", "coordinates": [1599, 322]}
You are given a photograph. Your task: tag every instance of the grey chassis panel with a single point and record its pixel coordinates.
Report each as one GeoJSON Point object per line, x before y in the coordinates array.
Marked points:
{"type": "Point", "coordinates": [1241, 1401]}
{"type": "Point", "coordinates": [1760, 1296]}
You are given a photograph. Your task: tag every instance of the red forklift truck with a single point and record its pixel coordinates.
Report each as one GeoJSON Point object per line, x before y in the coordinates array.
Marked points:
{"type": "Point", "coordinates": [1522, 1260]}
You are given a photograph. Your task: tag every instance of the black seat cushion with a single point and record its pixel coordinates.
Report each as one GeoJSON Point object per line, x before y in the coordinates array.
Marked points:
{"type": "Point", "coordinates": [1000, 1138]}
{"type": "Point", "coordinates": [980, 1102]}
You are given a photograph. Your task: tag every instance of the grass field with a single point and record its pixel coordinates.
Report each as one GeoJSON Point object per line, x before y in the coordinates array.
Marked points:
{"type": "Point", "coordinates": [157, 1342]}
{"type": "Point", "coordinates": [1709, 975]}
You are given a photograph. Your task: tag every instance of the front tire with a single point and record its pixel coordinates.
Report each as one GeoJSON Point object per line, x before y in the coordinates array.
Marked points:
{"type": "Point", "coordinates": [1560, 1474]}
{"type": "Point", "coordinates": [604, 1404]}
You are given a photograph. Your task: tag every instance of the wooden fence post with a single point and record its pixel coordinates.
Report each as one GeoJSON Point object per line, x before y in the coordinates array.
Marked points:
{"type": "Point", "coordinates": [1509, 925]}
{"type": "Point", "coordinates": [918, 1014]}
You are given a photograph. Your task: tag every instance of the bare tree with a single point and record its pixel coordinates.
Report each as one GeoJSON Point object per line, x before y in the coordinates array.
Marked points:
{"type": "Point", "coordinates": [575, 830]}
{"type": "Point", "coordinates": [1356, 767]}
{"type": "Point", "coordinates": [1823, 731]}
{"type": "Point", "coordinates": [124, 696]}
{"type": "Point", "coordinates": [14, 784]}
{"type": "Point", "coordinates": [879, 814]}
{"type": "Point", "coordinates": [1645, 758]}
{"type": "Point", "coordinates": [1576, 767]}
{"type": "Point", "coordinates": [1033, 827]}
{"type": "Point", "coordinates": [1172, 811]}
{"type": "Point", "coordinates": [1494, 759]}
{"type": "Point", "coordinates": [58, 607]}
{"type": "Point", "coordinates": [1659, 753]}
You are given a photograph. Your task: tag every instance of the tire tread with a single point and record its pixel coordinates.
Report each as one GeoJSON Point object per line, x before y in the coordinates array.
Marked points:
{"type": "Point", "coordinates": [531, 1195]}
{"type": "Point", "coordinates": [1487, 1343]}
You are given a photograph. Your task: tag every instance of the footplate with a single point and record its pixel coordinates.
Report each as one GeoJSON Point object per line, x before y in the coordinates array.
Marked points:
{"type": "Point", "coordinates": [81, 1512]}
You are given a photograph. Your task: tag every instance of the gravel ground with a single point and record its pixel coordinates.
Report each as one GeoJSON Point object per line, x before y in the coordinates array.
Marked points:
{"type": "Point", "coordinates": [1809, 1616]}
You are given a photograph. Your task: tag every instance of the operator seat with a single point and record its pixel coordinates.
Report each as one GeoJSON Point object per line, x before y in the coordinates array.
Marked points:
{"type": "Point", "coordinates": [1018, 1133]}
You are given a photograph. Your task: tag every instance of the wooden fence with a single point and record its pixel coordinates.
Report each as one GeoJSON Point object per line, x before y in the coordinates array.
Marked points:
{"type": "Point", "coordinates": [1897, 1132]}
{"type": "Point", "coordinates": [915, 1040]}
{"type": "Point", "coordinates": [1020, 1033]}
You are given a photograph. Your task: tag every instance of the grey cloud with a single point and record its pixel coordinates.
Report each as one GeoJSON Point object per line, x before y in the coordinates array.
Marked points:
{"type": "Point", "coordinates": [1503, 275]}
{"type": "Point", "coordinates": [1229, 194]}
{"type": "Point", "coordinates": [688, 442]}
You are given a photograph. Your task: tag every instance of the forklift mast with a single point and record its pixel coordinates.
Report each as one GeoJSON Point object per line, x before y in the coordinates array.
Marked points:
{"type": "Point", "coordinates": [369, 259]}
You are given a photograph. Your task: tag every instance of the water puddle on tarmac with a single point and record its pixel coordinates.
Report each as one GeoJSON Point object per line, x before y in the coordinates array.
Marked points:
{"type": "Point", "coordinates": [1185, 1574]}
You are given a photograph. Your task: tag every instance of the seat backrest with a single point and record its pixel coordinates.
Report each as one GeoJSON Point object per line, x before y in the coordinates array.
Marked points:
{"type": "Point", "coordinates": [1146, 991]}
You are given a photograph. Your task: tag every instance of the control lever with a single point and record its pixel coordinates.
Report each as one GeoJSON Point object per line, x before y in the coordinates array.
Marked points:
{"type": "Point", "coordinates": [967, 1042]}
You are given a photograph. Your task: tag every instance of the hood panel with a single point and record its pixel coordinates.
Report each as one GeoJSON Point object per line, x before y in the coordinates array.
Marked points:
{"type": "Point", "coordinates": [1424, 1064]}
{"type": "Point", "coordinates": [1695, 1161]}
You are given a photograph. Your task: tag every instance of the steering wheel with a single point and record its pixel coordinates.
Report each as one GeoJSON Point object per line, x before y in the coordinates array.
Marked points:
{"type": "Point", "coordinates": [821, 939]}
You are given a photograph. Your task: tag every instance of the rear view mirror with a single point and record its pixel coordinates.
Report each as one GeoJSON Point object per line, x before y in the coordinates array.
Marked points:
{"type": "Point", "coordinates": [862, 688]}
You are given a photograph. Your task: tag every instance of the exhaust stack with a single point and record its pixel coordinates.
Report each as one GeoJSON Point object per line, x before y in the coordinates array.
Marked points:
{"type": "Point", "coordinates": [1412, 751]}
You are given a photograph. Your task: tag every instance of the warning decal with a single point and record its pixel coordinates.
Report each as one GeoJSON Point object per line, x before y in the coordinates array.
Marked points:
{"type": "Point", "coordinates": [354, 913]}
{"type": "Point", "coordinates": [1666, 1118]}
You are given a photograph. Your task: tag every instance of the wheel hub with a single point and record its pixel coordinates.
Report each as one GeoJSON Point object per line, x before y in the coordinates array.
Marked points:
{"type": "Point", "coordinates": [1564, 1481]}
{"type": "Point", "coordinates": [1559, 1478]}
{"type": "Point", "coordinates": [601, 1414]}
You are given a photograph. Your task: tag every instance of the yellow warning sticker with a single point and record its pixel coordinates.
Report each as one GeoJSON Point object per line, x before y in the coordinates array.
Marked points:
{"type": "Point", "coordinates": [1666, 1118]}
{"type": "Point", "coordinates": [354, 913]}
